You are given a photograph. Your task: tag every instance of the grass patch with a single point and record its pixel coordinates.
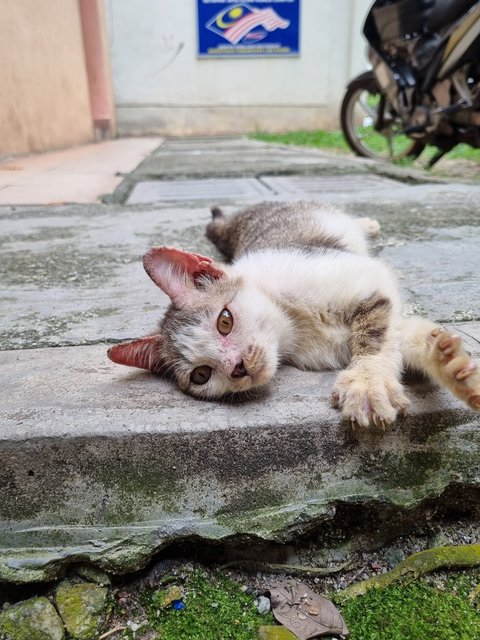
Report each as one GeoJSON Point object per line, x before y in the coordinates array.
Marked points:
{"type": "Point", "coordinates": [422, 610]}
{"type": "Point", "coordinates": [334, 141]}
{"type": "Point", "coordinates": [215, 609]}
{"type": "Point", "coordinates": [463, 151]}
{"type": "Point", "coordinates": [435, 607]}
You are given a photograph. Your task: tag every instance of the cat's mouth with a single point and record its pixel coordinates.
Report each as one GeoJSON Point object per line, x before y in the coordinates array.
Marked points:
{"type": "Point", "coordinates": [251, 382]}
{"type": "Point", "coordinates": [258, 373]}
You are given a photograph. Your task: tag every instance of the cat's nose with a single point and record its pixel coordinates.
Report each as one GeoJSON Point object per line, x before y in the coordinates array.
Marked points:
{"type": "Point", "coordinates": [239, 371]}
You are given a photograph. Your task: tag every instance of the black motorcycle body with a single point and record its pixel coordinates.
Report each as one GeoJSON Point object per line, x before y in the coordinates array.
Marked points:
{"type": "Point", "coordinates": [424, 85]}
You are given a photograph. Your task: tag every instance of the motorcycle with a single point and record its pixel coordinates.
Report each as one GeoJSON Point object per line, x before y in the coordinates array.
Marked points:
{"type": "Point", "coordinates": [424, 84]}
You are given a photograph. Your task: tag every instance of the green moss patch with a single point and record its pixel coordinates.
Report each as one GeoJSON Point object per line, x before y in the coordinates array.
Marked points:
{"type": "Point", "coordinates": [216, 608]}
{"type": "Point", "coordinates": [427, 609]}
{"type": "Point", "coordinates": [82, 608]}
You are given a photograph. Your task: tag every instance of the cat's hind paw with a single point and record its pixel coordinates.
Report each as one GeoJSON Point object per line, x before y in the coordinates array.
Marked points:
{"type": "Point", "coordinates": [369, 226]}
{"type": "Point", "coordinates": [455, 368]}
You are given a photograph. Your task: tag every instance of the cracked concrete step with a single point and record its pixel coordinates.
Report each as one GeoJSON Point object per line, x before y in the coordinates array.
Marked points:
{"type": "Point", "coordinates": [109, 465]}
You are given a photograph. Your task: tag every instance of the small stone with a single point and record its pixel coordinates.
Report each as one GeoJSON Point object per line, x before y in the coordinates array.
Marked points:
{"type": "Point", "coordinates": [440, 539]}
{"type": "Point", "coordinates": [93, 574]}
{"type": "Point", "coordinates": [169, 595]}
{"type": "Point", "coordinates": [394, 556]}
{"type": "Point", "coordinates": [82, 608]}
{"type": "Point", "coordinates": [376, 566]}
{"type": "Point", "coordinates": [150, 634]}
{"type": "Point", "coordinates": [32, 619]}
{"type": "Point", "coordinates": [263, 605]}
{"type": "Point", "coordinates": [313, 611]}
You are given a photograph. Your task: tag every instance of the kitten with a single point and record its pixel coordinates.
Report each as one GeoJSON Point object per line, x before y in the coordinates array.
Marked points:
{"type": "Point", "coordinates": [300, 289]}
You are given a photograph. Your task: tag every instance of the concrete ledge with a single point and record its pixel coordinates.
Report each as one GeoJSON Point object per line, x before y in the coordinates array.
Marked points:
{"type": "Point", "coordinates": [107, 465]}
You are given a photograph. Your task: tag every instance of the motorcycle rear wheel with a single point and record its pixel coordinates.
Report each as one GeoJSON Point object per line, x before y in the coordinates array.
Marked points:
{"type": "Point", "coordinates": [359, 115]}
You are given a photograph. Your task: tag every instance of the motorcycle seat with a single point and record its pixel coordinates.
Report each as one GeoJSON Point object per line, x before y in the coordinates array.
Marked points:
{"type": "Point", "coordinates": [399, 18]}
{"type": "Point", "coordinates": [445, 12]}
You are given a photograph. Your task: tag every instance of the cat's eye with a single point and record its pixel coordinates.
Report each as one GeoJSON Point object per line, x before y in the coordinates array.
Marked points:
{"type": "Point", "coordinates": [201, 375]}
{"type": "Point", "coordinates": [225, 322]}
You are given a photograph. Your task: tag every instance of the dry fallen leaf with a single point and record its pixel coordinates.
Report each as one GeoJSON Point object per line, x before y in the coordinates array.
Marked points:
{"type": "Point", "coordinates": [304, 612]}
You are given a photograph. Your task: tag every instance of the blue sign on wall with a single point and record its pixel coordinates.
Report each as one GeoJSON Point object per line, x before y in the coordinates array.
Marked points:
{"type": "Point", "coordinates": [262, 28]}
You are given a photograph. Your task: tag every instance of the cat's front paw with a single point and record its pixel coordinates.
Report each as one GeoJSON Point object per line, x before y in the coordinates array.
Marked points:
{"type": "Point", "coordinates": [368, 400]}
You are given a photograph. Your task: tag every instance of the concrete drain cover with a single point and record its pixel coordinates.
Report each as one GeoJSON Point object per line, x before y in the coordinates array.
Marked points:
{"type": "Point", "coordinates": [324, 184]}
{"type": "Point", "coordinates": [188, 190]}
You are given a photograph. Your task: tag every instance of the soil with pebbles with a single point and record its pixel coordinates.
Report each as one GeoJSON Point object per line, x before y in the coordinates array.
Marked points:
{"type": "Point", "coordinates": [347, 566]}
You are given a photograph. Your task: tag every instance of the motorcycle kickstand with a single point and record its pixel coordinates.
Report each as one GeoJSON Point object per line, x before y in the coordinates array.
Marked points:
{"type": "Point", "coordinates": [440, 153]}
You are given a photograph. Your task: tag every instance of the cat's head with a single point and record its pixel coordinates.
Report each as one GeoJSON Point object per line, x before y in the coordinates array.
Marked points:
{"type": "Point", "coordinates": [217, 337]}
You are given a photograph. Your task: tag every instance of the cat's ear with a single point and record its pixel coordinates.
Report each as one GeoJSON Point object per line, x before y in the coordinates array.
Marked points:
{"type": "Point", "coordinates": [144, 353]}
{"type": "Point", "coordinates": [178, 272]}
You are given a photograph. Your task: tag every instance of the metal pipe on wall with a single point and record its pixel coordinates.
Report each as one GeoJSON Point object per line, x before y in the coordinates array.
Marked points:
{"type": "Point", "coordinates": [98, 67]}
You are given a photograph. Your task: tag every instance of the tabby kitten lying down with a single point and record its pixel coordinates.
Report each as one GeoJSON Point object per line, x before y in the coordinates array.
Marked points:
{"type": "Point", "coordinates": [300, 289]}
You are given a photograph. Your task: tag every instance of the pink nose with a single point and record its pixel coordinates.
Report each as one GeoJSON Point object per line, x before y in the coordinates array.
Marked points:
{"type": "Point", "coordinates": [239, 371]}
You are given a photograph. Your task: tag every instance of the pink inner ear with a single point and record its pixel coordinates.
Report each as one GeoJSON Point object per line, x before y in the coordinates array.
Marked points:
{"type": "Point", "coordinates": [175, 271]}
{"type": "Point", "coordinates": [144, 353]}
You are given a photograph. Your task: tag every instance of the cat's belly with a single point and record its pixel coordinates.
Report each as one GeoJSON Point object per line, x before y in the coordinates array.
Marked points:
{"type": "Point", "coordinates": [321, 347]}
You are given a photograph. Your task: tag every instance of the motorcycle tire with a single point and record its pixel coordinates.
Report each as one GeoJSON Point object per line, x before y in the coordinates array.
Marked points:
{"type": "Point", "coordinates": [358, 117]}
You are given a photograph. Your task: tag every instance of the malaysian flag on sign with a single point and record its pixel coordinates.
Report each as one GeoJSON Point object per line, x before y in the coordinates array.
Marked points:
{"type": "Point", "coordinates": [239, 20]}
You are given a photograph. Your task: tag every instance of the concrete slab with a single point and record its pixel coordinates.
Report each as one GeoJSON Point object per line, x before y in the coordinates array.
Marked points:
{"type": "Point", "coordinates": [322, 185]}
{"type": "Point", "coordinates": [231, 158]}
{"type": "Point", "coordinates": [104, 465]}
{"type": "Point", "coordinates": [73, 275]}
{"type": "Point", "coordinates": [210, 190]}
{"type": "Point", "coordinates": [238, 157]}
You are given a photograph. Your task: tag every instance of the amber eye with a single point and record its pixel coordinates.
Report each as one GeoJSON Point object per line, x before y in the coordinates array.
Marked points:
{"type": "Point", "coordinates": [201, 375]}
{"type": "Point", "coordinates": [225, 322]}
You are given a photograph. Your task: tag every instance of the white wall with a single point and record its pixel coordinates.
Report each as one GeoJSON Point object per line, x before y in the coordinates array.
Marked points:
{"type": "Point", "coordinates": [162, 87]}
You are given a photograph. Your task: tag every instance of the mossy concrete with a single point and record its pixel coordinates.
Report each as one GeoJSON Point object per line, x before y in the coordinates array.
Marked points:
{"type": "Point", "coordinates": [107, 466]}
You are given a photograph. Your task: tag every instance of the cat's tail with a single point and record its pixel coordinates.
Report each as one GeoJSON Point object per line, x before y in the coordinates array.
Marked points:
{"type": "Point", "coordinates": [216, 213]}
{"type": "Point", "coordinates": [218, 231]}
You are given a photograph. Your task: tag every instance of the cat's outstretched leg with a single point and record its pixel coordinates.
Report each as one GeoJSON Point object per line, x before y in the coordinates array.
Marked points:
{"type": "Point", "coordinates": [369, 391]}
{"type": "Point", "coordinates": [439, 354]}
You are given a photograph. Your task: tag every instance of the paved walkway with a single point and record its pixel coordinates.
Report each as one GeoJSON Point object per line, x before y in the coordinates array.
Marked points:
{"type": "Point", "coordinates": [80, 174]}
{"type": "Point", "coordinates": [108, 464]}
